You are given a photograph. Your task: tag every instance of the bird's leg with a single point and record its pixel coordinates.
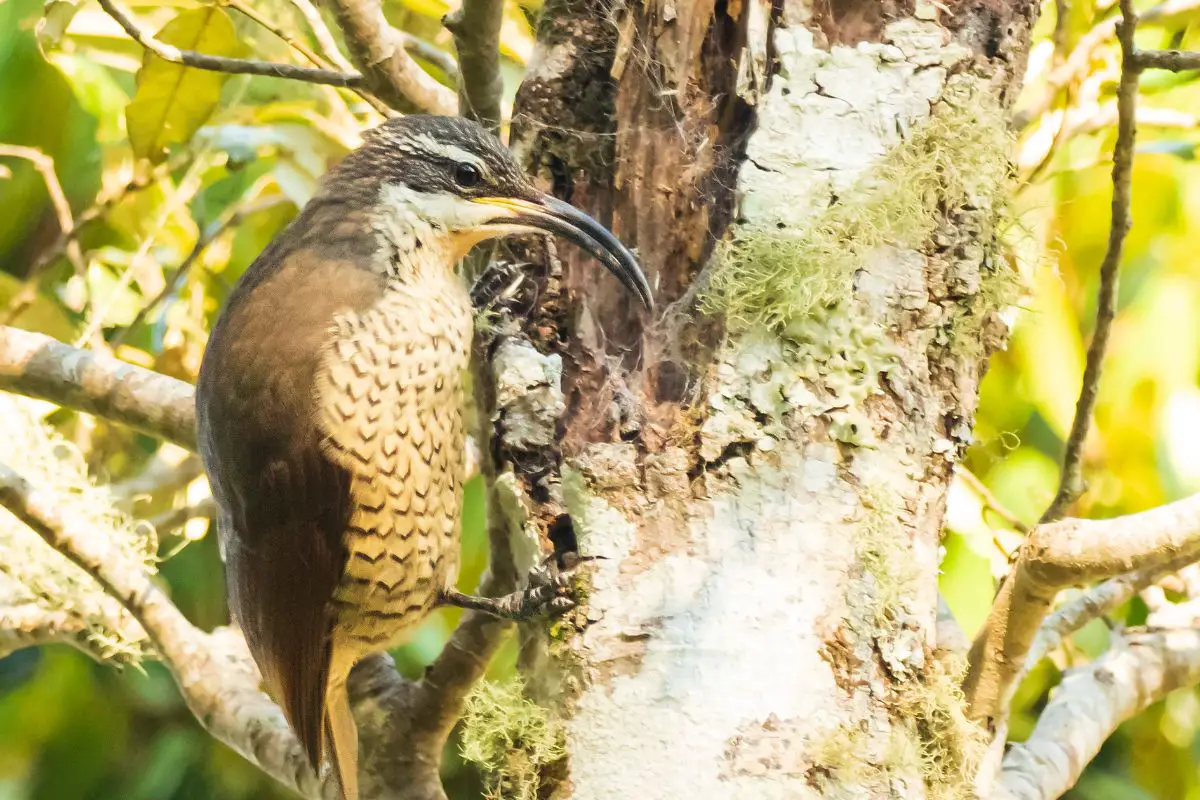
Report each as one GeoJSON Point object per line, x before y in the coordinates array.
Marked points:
{"type": "Point", "coordinates": [548, 592]}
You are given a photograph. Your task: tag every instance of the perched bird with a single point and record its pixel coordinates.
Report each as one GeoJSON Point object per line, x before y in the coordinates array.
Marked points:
{"type": "Point", "coordinates": [329, 408]}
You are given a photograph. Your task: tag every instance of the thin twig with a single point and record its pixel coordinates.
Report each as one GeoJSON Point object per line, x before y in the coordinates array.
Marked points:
{"type": "Point", "coordinates": [1079, 60]}
{"type": "Point", "coordinates": [341, 64]}
{"type": "Point", "coordinates": [178, 196]}
{"type": "Point", "coordinates": [178, 517]}
{"type": "Point", "coordinates": [426, 51]}
{"type": "Point", "coordinates": [321, 32]}
{"type": "Point", "coordinates": [44, 165]}
{"type": "Point", "coordinates": [476, 27]}
{"type": "Point", "coordinates": [990, 501]}
{"type": "Point", "coordinates": [27, 293]}
{"type": "Point", "coordinates": [171, 284]}
{"type": "Point", "coordinates": [235, 66]}
{"type": "Point", "coordinates": [1071, 484]}
{"type": "Point", "coordinates": [248, 11]}
{"type": "Point", "coordinates": [170, 470]}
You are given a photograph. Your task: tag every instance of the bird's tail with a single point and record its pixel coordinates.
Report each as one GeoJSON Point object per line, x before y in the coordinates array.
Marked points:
{"type": "Point", "coordinates": [341, 740]}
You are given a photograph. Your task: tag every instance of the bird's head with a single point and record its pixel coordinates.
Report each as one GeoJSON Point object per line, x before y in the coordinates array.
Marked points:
{"type": "Point", "coordinates": [446, 182]}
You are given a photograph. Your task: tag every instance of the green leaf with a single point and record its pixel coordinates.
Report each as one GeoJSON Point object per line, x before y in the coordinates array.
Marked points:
{"type": "Point", "coordinates": [95, 90]}
{"type": "Point", "coordinates": [172, 101]}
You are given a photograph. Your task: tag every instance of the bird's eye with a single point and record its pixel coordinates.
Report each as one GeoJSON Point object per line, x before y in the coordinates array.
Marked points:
{"type": "Point", "coordinates": [467, 175]}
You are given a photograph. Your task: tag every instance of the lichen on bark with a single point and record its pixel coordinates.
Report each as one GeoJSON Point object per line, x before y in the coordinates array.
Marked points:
{"type": "Point", "coordinates": [766, 522]}
{"type": "Point", "coordinates": [510, 737]}
{"type": "Point", "coordinates": [777, 272]}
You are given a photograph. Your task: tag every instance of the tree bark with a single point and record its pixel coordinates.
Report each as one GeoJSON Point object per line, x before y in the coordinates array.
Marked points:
{"type": "Point", "coordinates": [762, 485]}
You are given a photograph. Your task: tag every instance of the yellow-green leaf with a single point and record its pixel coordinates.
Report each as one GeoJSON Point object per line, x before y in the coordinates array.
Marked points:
{"type": "Point", "coordinates": [173, 101]}
{"type": "Point", "coordinates": [56, 16]}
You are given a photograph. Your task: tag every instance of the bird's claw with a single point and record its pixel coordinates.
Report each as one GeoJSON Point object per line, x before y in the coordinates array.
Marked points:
{"type": "Point", "coordinates": [551, 587]}
{"type": "Point", "coordinates": [549, 591]}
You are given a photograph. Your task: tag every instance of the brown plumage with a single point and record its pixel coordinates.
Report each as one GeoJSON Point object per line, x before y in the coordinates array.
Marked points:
{"type": "Point", "coordinates": [329, 408]}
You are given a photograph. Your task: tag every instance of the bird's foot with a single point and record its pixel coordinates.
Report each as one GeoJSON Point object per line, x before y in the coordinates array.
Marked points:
{"type": "Point", "coordinates": [548, 592]}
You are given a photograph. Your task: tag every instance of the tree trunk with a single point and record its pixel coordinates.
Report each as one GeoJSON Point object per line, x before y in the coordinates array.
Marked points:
{"type": "Point", "coordinates": [760, 465]}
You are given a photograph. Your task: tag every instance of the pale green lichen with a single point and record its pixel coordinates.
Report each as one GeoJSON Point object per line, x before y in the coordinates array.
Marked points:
{"type": "Point", "coordinates": [950, 746]}
{"type": "Point", "coordinates": [850, 759]}
{"type": "Point", "coordinates": [929, 739]}
{"type": "Point", "coordinates": [774, 278]}
{"type": "Point", "coordinates": [882, 547]}
{"type": "Point", "coordinates": [829, 364]}
{"type": "Point", "coordinates": [41, 575]}
{"type": "Point", "coordinates": [929, 723]}
{"type": "Point", "coordinates": [511, 738]}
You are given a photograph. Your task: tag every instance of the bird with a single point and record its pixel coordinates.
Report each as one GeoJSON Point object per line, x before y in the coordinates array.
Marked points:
{"type": "Point", "coordinates": [330, 408]}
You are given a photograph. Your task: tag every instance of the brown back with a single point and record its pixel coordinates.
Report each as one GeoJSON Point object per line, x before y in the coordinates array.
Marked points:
{"type": "Point", "coordinates": [283, 505]}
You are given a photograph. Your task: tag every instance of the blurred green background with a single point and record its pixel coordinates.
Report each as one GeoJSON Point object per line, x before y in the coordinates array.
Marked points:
{"type": "Point", "coordinates": [70, 728]}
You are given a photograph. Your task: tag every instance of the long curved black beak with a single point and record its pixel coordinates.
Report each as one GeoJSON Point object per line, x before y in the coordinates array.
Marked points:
{"type": "Point", "coordinates": [552, 215]}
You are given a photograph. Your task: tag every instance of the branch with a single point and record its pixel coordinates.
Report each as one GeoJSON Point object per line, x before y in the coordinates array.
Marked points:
{"type": "Point", "coordinates": [388, 70]}
{"type": "Point", "coordinates": [1071, 484]}
{"type": "Point", "coordinates": [1055, 557]}
{"type": "Point", "coordinates": [403, 724]}
{"type": "Point", "coordinates": [1138, 670]}
{"type": "Point", "coordinates": [418, 47]}
{"type": "Point", "coordinates": [29, 625]}
{"type": "Point", "coordinates": [465, 657]}
{"type": "Point", "coordinates": [1093, 604]}
{"type": "Point", "coordinates": [35, 365]}
{"type": "Point", "coordinates": [118, 575]}
{"type": "Point", "coordinates": [428, 51]}
{"type": "Point", "coordinates": [215, 672]}
{"type": "Point", "coordinates": [235, 66]}
{"type": "Point", "coordinates": [1173, 60]}
{"type": "Point", "coordinates": [476, 28]}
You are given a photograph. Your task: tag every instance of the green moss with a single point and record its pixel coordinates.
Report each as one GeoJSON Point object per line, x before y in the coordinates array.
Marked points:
{"type": "Point", "coordinates": [510, 737]}
{"type": "Point", "coordinates": [774, 277]}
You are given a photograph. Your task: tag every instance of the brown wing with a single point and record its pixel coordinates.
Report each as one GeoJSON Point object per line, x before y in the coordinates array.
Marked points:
{"type": "Point", "coordinates": [283, 505]}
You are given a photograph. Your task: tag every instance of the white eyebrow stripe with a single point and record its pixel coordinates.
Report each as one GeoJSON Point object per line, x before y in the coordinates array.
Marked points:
{"type": "Point", "coordinates": [434, 147]}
